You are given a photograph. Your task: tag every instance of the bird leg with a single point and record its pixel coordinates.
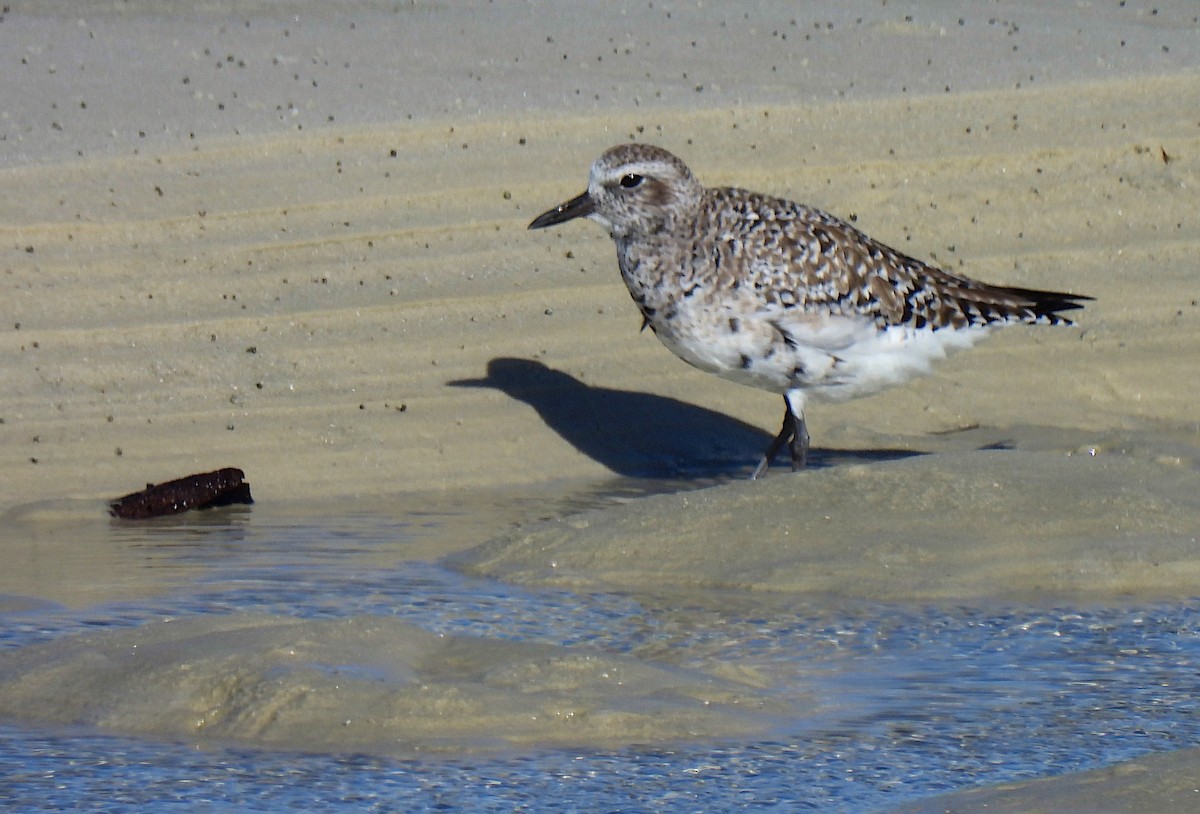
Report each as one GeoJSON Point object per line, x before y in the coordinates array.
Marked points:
{"type": "Point", "coordinates": [799, 447]}
{"type": "Point", "coordinates": [795, 434]}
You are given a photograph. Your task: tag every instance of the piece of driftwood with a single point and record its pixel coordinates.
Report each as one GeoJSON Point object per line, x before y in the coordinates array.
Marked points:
{"type": "Point", "coordinates": [206, 490]}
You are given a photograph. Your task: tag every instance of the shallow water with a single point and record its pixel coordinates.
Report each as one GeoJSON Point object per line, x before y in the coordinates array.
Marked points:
{"type": "Point", "coordinates": [910, 700]}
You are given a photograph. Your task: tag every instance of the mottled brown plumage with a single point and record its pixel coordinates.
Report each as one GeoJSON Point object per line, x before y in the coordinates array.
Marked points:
{"type": "Point", "coordinates": [781, 296]}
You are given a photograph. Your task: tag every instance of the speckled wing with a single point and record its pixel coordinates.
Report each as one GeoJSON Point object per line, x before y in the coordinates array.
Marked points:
{"type": "Point", "coordinates": [797, 257]}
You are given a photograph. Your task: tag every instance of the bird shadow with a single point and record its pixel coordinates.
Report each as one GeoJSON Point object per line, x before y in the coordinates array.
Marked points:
{"type": "Point", "coordinates": [643, 435]}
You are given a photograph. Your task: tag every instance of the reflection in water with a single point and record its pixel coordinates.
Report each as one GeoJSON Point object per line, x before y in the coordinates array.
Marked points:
{"type": "Point", "coordinates": [909, 700]}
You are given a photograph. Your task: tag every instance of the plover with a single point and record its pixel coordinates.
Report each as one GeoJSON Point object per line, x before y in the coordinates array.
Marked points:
{"type": "Point", "coordinates": [781, 296]}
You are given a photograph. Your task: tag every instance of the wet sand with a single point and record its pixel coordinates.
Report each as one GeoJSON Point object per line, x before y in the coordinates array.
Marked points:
{"type": "Point", "coordinates": [370, 685]}
{"type": "Point", "coordinates": [282, 255]}
{"type": "Point", "coordinates": [1129, 534]}
{"type": "Point", "coordinates": [1163, 782]}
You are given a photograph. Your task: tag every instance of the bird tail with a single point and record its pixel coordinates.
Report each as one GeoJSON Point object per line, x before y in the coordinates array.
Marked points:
{"type": "Point", "coordinates": [1046, 307]}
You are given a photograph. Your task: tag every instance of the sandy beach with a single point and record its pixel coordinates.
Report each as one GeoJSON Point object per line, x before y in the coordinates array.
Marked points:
{"type": "Point", "coordinates": [291, 238]}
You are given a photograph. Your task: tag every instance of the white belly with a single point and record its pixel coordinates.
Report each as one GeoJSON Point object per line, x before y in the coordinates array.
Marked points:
{"type": "Point", "coordinates": [830, 358]}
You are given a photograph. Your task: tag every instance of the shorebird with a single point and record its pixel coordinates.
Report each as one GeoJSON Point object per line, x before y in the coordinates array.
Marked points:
{"type": "Point", "coordinates": [781, 296]}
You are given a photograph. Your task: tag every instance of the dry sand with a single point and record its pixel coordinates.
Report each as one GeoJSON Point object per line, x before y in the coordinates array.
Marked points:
{"type": "Point", "coordinates": [307, 295]}
{"type": "Point", "coordinates": [308, 299]}
{"type": "Point", "coordinates": [285, 240]}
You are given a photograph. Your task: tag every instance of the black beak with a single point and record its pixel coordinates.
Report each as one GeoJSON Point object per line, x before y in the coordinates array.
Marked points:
{"type": "Point", "coordinates": [578, 207]}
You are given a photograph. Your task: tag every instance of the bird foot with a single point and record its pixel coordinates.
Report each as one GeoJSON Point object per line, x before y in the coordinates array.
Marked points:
{"type": "Point", "coordinates": [795, 435]}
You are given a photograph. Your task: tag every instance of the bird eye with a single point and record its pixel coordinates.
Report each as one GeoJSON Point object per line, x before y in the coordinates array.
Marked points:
{"type": "Point", "coordinates": [631, 180]}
